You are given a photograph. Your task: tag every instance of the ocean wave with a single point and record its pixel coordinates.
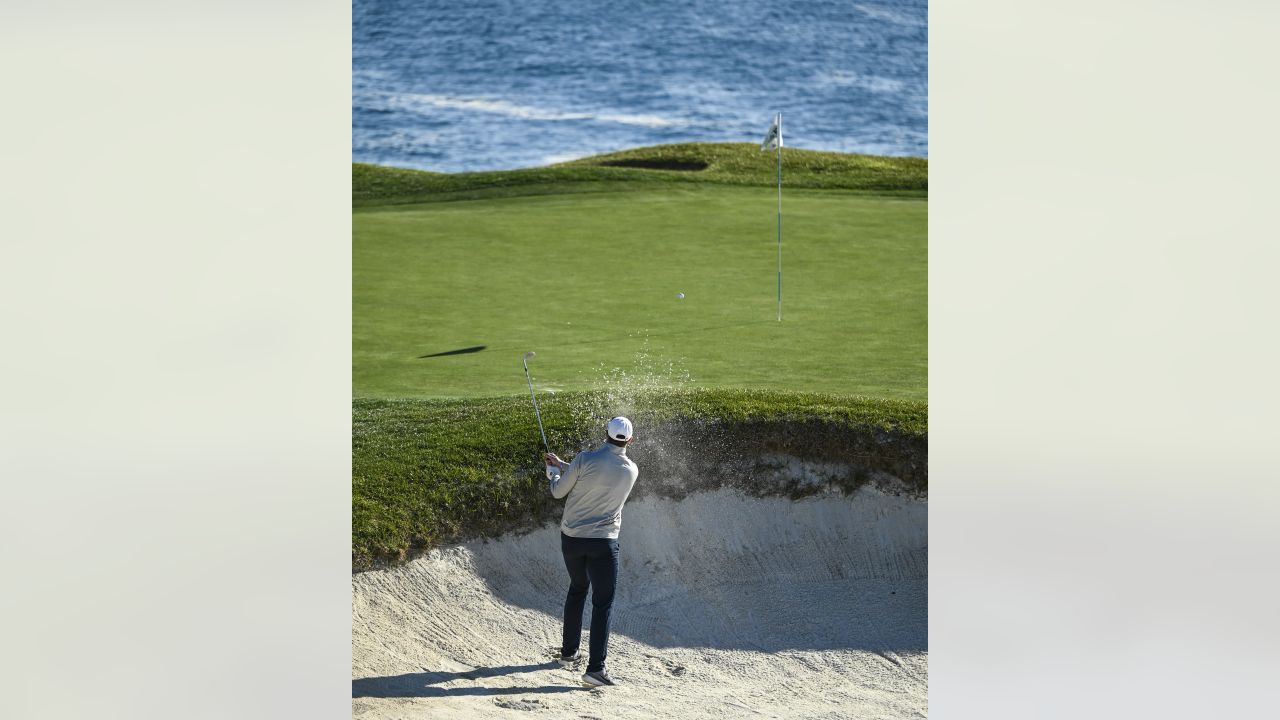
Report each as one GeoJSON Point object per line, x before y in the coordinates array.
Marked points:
{"type": "Point", "coordinates": [563, 157]}
{"type": "Point", "coordinates": [542, 82]}
{"type": "Point", "coordinates": [412, 101]}
{"type": "Point", "coordinates": [403, 139]}
{"type": "Point", "coordinates": [871, 83]}
{"type": "Point", "coordinates": [890, 16]}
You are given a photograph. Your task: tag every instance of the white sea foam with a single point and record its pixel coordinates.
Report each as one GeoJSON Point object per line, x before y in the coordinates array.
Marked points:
{"type": "Point", "coordinates": [873, 83]}
{"type": "Point", "coordinates": [412, 101]}
{"type": "Point", "coordinates": [561, 157]}
{"type": "Point", "coordinates": [890, 16]}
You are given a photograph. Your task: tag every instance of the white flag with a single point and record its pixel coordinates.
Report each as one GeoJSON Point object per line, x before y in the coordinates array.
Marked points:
{"type": "Point", "coordinates": [773, 140]}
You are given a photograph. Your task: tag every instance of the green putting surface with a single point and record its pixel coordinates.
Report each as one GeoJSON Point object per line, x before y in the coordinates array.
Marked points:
{"type": "Point", "coordinates": [590, 280]}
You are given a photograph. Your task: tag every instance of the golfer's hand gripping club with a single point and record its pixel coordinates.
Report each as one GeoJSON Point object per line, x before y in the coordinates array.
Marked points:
{"type": "Point", "coordinates": [555, 466]}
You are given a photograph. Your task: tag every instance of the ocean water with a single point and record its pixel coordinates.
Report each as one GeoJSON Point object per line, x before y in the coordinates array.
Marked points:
{"type": "Point", "coordinates": [452, 86]}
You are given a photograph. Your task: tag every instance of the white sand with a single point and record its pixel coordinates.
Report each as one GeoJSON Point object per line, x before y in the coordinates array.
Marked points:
{"type": "Point", "coordinates": [727, 606]}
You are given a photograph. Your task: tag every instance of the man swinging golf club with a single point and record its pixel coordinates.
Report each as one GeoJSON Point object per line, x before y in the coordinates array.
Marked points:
{"type": "Point", "coordinates": [595, 487]}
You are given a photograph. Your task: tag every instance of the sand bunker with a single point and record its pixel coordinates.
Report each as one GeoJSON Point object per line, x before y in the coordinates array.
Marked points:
{"type": "Point", "coordinates": [727, 606]}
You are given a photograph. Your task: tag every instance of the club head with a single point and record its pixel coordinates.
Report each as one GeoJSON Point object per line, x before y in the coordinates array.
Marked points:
{"type": "Point", "coordinates": [525, 361]}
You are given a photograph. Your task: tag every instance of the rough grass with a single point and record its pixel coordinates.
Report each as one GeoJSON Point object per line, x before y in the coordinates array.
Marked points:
{"type": "Point", "coordinates": [426, 472]}
{"type": "Point", "coordinates": [647, 168]}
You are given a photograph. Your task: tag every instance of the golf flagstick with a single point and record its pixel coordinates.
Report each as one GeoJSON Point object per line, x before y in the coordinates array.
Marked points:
{"type": "Point", "coordinates": [553, 472]}
{"type": "Point", "coordinates": [773, 140]}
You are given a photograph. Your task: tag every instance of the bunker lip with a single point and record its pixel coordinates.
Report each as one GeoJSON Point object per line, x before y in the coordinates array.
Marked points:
{"type": "Point", "coordinates": [685, 456]}
{"type": "Point", "coordinates": [811, 606]}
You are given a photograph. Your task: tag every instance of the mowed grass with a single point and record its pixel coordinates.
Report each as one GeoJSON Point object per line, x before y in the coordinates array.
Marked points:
{"type": "Point", "coordinates": [589, 281]}
{"type": "Point", "coordinates": [581, 262]}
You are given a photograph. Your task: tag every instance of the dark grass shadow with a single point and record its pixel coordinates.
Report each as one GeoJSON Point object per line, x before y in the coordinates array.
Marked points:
{"type": "Point", "coordinates": [592, 341]}
{"type": "Point", "coordinates": [422, 684]}
{"type": "Point", "coordinates": [658, 164]}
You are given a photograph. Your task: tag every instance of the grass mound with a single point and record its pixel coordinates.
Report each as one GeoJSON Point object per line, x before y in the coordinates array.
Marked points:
{"type": "Point", "coordinates": [427, 472]}
{"type": "Point", "coordinates": [648, 167]}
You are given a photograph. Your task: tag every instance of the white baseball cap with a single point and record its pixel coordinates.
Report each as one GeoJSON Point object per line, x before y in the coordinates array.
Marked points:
{"type": "Point", "coordinates": [620, 428]}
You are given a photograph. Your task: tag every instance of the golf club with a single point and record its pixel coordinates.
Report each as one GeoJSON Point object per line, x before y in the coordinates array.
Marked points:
{"type": "Point", "coordinates": [552, 470]}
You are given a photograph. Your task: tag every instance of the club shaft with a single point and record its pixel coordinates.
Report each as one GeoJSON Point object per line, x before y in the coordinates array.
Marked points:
{"type": "Point", "coordinates": [536, 411]}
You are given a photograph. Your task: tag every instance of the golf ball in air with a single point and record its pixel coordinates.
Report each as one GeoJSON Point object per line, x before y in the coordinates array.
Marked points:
{"type": "Point", "coordinates": [679, 296]}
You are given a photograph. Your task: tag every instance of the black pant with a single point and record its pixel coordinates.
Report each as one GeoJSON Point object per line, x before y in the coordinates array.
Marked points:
{"type": "Point", "coordinates": [592, 563]}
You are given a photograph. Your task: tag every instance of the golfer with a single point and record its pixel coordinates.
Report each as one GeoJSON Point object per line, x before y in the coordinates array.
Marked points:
{"type": "Point", "coordinates": [595, 487]}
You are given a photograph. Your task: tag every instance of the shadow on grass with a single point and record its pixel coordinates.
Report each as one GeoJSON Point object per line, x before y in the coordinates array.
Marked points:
{"type": "Point", "coordinates": [421, 684]}
{"type": "Point", "coordinates": [459, 351]}
{"type": "Point", "coordinates": [614, 338]}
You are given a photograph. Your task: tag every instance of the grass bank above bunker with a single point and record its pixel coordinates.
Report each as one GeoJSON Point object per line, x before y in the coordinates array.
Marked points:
{"type": "Point", "coordinates": [430, 472]}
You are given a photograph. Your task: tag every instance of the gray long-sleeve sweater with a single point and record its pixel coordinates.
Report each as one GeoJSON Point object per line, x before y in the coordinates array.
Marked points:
{"type": "Point", "coordinates": [597, 484]}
